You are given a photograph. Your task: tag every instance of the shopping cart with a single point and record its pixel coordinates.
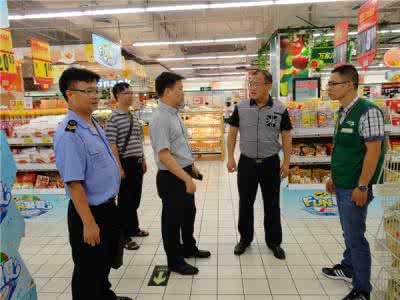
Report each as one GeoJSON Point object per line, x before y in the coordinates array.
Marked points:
{"type": "Point", "coordinates": [387, 240]}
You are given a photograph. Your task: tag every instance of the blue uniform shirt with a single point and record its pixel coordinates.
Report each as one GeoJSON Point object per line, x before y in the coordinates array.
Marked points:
{"type": "Point", "coordinates": [84, 154]}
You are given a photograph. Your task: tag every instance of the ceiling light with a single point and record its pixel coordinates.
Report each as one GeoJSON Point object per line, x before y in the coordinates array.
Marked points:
{"type": "Point", "coordinates": [167, 8]}
{"type": "Point", "coordinates": [205, 57]}
{"type": "Point", "coordinates": [211, 67]}
{"type": "Point", "coordinates": [210, 41]}
{"type": "Point", "coordinates": [223, 74]}
{"type": "Point", "coordinates": [214, 77]}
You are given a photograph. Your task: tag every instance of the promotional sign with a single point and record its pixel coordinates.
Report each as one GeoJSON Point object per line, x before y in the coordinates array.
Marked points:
{"type": "Point", "coordinates": [392, 58]}
{"type": "Point", "coordinates": [321, 56]}
{"type": "Point", "coordinates": [4, 23]}
{"type": "Point", "coordinates": [8, 67]}
{"type": "Point", "coordinates": [106, 52]}
{"type": "Point", "coordinates": [41, 59]}
{"type": "Point", "coordinates": [341, 38]}
{"type": "Point", "coordinates": [15, 281]}
{"type": "Point", "coordinates": [367, 33]}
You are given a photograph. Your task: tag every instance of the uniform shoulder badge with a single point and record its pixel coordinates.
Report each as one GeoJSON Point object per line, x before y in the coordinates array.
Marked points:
{"type": "Point", "coordinates": [71, 126]}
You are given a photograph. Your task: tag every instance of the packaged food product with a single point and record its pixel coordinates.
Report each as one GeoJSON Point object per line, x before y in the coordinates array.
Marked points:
{"type": "Point", "coordinates": [42, 182]}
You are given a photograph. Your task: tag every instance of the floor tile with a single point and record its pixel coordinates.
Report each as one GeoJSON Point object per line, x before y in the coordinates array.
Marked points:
{"type": "Point", "coordinates": [282, 287]}
{"type": "Point", "coordinates": [179, 286]}
{"type": "Point", "coordinates": [256, 287]}
{"type": "Point", "coordinates": [309, 287]}
{"type": "Point", "coordinates": [230, 286]}
{"type": "Point", "coordinates": [204, 286]}
{"type": "Point", "coordinates": [56, 285]}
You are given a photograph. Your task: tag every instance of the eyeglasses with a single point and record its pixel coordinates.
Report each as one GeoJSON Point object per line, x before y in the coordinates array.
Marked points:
{"type": "Point", "coordinates": [87, 91]}
{"type": "Point", "coordinates": [333, 83]}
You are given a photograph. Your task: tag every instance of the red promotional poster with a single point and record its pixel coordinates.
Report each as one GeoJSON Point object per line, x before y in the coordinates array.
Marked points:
{"type": "Point", "coordinates": [341, 37]}
{"type": "Point", "coordinates": [367, 32]}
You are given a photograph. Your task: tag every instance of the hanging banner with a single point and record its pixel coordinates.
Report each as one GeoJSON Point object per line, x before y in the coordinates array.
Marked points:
{"type": "Point", "coordinates": [106, 52]}
{"type": "Point", "coordinates": [8, 67]}
{"type": "Point", "coordinates": [367, 33]}
{"type": "Point", "coordinates": [4, 23]}
{"type": "Point", "coordinates": [41, 59]}
{"type": "Point", "coordinates": [340, 43]}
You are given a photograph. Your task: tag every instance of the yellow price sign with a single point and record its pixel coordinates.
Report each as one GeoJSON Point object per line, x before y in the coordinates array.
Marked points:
{"type": "Point", "coordinates": [42, 69]}
{"type": "Point", "coordinates": [7, 63]}
{"type": "Point", "coordinates": [28, 140]}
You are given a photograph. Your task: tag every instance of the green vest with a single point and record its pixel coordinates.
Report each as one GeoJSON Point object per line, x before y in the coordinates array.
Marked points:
{"type": "Point", "coordinates": [349, 149]}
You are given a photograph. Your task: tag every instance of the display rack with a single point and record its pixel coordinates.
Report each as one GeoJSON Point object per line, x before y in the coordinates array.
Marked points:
{"type": "Point", "coordinates": [206, 132]}
{"type": "Point", "coordinates": [387, 240]}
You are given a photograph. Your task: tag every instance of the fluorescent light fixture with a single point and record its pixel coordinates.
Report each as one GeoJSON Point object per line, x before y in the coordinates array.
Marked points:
{"type": "Point", "coordinates": [210, 67]}
{"type": "Point", "coordinates": [209, 41]}
{"type": "Point", "coordinates": [166, 8]}
{"type": "Point", "coordinates": [205, 57]}
{"type": "Point", "coordinates": [355, 32]}
{"type": "Point", "coordinates": [224, 74]}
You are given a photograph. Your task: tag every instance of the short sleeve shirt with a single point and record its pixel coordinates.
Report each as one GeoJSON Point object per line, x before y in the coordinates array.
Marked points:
{"type": "Point", "coordinates": [167, 131]}
{"type": "Point", "coordinates": [84, 155]}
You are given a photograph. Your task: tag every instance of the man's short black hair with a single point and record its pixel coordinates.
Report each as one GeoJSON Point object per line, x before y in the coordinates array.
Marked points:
{"type": "Point", "coordinates": [267, 75]}
{"type": "Point", "coordinates": [72, 75]}
{"type": "Point", "coordinates": [349, 72]}
{"type": "Point", "coordinates": [119, 88]}
{"type": "Point", "coordinates": [166, 80]}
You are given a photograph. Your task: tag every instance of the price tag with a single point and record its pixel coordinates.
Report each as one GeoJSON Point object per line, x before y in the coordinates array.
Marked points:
{"type": "Point", "coordinates": [28, 140]}
{"type": "Point", "coordinates": [47, 140]}
{"type": "Point", "coordinates": [7, 63]}
{"type": "Point", "coordinates": [42, 69]}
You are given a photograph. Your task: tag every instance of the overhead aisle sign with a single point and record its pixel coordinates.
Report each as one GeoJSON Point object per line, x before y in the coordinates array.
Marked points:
{"type": "Point", "coordinates": [367, 33]}
{"type": "Point", "coordinates": [42, 68]}
{"type": "Point", "coordinates": [340, 43]}
{"type": "Point", "coordinates": [8, 67]}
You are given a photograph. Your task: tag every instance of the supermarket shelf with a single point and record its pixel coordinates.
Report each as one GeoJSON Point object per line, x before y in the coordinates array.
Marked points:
{"type": "Point", "coordinates": [203, 126]}
{"type": "Point", "coordinates": [205, 139]}
{"type": "Point", "coordinates": [317, 186]}
{"type": "Point", "coordinates": [36, 167]}
{"type": "Point", "coordinates": [316, 160]}
{"type": "Point", "coordinates": [30, 141]}
{"type": "Point", "coordinates": [38, 191]}
{"type": "Point", "coordinates": [313, 132]}
{"type": "Point", "coordinates": [394, 130]}
{"type": "Point", "coordinates": [206, 152]}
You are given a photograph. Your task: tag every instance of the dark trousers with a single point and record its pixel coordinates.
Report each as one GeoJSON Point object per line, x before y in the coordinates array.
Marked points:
{"type": "Point", "coordinates": [267, 174]}
{"type": "Point", "coordinates": [92, 265]}
{"type": "Point", "coordinates": [357, 255]}
{"type": "Point", "coordinates": [130, 193]}
{"type": "Point", "coordinates": [178, 217]}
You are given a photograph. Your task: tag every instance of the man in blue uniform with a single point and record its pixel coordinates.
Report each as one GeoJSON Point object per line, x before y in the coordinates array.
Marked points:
{"type": "Point", "coordinates": [91, 175]}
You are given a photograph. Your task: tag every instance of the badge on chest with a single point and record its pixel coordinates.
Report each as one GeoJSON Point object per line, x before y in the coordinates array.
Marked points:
{"type": "Point", "coordinates": [272, 120]}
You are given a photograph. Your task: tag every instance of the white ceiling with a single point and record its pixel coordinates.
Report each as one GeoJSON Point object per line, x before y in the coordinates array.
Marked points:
{"type": "Point", "coordinates": [182, 25]}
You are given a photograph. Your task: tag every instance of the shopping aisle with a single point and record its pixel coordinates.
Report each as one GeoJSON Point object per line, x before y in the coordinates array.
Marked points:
{"type": "Point", "coordinates": [309, 243]}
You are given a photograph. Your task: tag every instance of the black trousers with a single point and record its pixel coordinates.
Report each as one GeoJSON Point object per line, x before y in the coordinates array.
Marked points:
{"type": "Point", "coordinates": [250, 175]}
{"type": "Point", "coordinates": [178, 217]}
{"type": "Point", "coordinates": [130, 193]}
{"type": "Point", "coordinates": [92, 265]}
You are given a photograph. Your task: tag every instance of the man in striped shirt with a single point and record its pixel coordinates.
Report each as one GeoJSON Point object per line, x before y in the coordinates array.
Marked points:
{"type": "Point", "coordinates": [125, 134]}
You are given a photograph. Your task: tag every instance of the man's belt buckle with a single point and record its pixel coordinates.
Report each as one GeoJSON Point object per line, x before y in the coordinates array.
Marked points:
{"type": "Point", "coordinates": [259, 161]}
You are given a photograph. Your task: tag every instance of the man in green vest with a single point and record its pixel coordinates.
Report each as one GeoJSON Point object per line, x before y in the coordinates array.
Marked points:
{"type": "Point", "coordinates": [357, 158]}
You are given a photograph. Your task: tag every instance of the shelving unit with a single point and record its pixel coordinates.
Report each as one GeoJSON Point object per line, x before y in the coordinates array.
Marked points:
{"type": "Point", "coordinates": [206, 132]}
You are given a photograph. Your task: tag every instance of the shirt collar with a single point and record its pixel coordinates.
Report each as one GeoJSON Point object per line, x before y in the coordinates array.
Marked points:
{"type": "Point", "coordinates": [270, 102]}
{"type": "Point", "coordinates": [346, 109]}
{"type": "Point", "coordinates": [74, 116]}
{"type": "Point", "coordinates": [168, 108]}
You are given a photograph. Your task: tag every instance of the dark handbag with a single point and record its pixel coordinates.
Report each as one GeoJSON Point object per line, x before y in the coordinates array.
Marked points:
{"type": "Point", "coordinates": [123, 149]}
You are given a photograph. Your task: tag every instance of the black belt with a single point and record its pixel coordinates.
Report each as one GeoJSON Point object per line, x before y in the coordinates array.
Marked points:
{"type": "Point", "coordinates": [260, 160]}
{"type": "Point", "coordinates": [138, 159]}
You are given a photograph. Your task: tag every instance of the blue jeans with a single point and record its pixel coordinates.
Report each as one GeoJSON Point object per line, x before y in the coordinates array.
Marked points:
{"type": "Point", "coordinates": [357, 255]}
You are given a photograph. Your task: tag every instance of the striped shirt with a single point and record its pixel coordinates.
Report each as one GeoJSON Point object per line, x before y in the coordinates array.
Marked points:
{"type": "Point", "coordinates": [117, 128]}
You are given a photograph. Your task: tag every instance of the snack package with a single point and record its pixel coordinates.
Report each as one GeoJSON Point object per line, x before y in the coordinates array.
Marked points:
{"type": "Point", "coordinates": [321, 150]}
{"type": "Point", "coordinates": [42, 182]}
{"type": "Point", "coordinates": [307, 150]}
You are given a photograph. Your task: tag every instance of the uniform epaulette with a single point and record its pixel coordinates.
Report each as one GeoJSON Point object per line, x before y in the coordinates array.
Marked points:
{"type": "Point", "coordinates": [71, 126]}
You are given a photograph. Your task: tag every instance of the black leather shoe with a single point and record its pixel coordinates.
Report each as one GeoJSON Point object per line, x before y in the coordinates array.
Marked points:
{"type": "Point", "coordinates": [279, 253]}
{"type": "Point", "coordinates": [197, 253]}
{"type": "Point", "coordinates": [123, 298]}
{"type": "Point", "coordinates": [241, 247]}
{"type": "Point", "coordinates": [184, 269]}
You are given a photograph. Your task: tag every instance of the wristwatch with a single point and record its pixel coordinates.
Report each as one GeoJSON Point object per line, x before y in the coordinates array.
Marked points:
{"type": "Point", "coordinates": [363, 188]}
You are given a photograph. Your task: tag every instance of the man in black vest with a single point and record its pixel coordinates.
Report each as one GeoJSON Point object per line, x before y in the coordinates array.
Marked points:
{"type": "Point", "coordinates": [261, 121]}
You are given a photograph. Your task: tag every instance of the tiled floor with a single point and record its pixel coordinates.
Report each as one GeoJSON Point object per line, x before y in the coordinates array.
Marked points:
{"type": "Point", "coordinates": [310, 244]}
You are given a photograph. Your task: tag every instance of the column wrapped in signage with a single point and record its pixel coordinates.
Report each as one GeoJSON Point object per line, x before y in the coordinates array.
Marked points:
{"type": "Point", "coordinates": [8, 68]}
{"type": "Point", "coordinates": [41, 59]}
